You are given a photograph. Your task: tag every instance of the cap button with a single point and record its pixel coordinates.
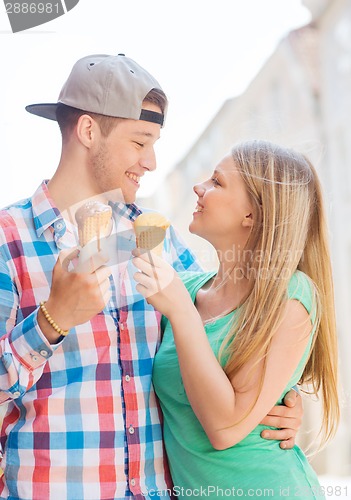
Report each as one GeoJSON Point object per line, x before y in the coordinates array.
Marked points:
{"type": "Point", "coordinates": [121, 55]}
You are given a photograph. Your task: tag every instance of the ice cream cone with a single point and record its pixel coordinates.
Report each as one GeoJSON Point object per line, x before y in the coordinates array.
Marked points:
{"type": "Point", "coordinates": [94, 222]}
{"type": "Point", "coordinates": [150, 229]}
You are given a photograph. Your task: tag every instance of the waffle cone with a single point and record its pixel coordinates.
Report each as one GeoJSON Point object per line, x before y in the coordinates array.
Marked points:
{"type": "Point", "coordinates": [150, 231]}
{"type": "Point", "coordinates": [94, 222]}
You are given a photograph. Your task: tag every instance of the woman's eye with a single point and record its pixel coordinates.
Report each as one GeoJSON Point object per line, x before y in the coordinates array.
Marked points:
{"type": "Point", "coordinates": [139, 144]}
{"type": "Point", "coordinates": [215, 181]}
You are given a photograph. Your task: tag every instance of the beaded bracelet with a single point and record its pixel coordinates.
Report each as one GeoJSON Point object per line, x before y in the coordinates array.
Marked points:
{"type": "Point", "coordinates": [47, 316]}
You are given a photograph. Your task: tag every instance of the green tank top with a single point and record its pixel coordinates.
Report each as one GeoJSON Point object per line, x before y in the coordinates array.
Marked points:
{"type": "Point", "coordinates": [253, 467]}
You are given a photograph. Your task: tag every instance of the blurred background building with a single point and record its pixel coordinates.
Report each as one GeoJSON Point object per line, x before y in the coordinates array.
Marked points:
{"type": "Point", "coordinates": [300, 98]}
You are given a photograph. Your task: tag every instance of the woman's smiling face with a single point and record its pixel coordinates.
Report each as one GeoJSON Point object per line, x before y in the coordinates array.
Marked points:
{"type": "Point", "coordinates": [223, 214]}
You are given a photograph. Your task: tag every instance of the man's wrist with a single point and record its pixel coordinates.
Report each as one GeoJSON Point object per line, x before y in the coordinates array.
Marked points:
{"type": "Point", "coordinates": [59, 314]}
{"type": "Point", "coordinates": [51, 320]}
{"type": "Point", "coordinates": [50, 325]}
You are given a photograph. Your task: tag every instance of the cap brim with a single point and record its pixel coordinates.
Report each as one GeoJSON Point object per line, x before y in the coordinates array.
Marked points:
{"type": "Point", "coordinates": [48, 110]}
{"type": "Point", "coordinates": [44, 110]}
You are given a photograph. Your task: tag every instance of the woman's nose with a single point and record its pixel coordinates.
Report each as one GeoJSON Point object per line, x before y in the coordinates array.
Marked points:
{"type": "Point", "coordinates": [199, 189]}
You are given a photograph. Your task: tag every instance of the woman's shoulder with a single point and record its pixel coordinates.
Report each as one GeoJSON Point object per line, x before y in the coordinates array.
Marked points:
{"type": "Point", "coordinates": [302, 288]}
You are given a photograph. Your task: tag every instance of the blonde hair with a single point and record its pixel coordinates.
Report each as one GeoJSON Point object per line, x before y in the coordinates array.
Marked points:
{"type": "Point", "coordinates": [289, 233]}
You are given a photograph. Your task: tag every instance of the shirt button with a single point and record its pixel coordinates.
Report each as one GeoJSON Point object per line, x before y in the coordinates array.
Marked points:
{"type": "Point", "coordinates": [131, 430]}
{"type": "Point", "coordinates": [133, 482]}
{"type": "Point", "coordinates": [16, 394]}
{"type": "Point", "coordinates": [43, 353]}
{"type": "Point", "coordinates": [127, 378]}
{"type": "Point", "coordinates": [59, 225]}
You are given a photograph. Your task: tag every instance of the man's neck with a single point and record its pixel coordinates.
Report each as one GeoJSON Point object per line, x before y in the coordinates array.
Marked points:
{"type": "Point", "coordinates": [71, 184]}
{"type": "Point", "coordinates": [67, 192]}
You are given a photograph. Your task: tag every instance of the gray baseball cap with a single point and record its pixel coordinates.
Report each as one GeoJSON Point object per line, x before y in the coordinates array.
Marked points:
{"type": "Point", "coordinates": [108, 85]}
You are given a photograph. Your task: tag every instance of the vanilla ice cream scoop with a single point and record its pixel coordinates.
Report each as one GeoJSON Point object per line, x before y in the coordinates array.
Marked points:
{"type": "Point", "coordinates": [150, 230]}
{"type": "Point", "coordinates": [94, 221]}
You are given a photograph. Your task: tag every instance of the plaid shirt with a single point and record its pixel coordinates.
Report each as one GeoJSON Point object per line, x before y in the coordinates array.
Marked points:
{"type": "Point", "coordinates": [82, 419]}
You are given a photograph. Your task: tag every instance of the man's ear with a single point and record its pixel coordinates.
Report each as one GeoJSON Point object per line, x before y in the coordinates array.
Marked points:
{"type": "Point", "coordinates": [248, 221]}
{"type": "Point", "coordinates": [87, 130]}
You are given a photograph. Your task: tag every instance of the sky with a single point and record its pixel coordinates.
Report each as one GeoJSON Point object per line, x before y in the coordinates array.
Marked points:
{"type": "Point", "coordinates": [202, 52]}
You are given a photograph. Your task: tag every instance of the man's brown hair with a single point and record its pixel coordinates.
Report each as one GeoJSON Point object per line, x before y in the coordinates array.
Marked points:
{"type": "Point", "coordinates": [67, 116]}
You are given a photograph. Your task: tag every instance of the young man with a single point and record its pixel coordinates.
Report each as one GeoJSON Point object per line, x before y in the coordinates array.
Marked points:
{"type": "Point", "coordinates": [82, 420]}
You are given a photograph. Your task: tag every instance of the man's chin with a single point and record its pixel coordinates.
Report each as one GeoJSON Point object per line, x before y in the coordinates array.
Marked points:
{"type": "Point", "coordinates": [124, 196]}
{"type": "Point", "coordinates": [128, 199]}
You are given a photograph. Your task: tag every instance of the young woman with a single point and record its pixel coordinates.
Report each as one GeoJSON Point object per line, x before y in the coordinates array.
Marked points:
{"type": "Point", "coordinates": [236, 340]}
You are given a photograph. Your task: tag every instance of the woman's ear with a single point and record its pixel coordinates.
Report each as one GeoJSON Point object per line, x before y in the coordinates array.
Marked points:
{"type": "Point", "coordinates": [248, 221]}
{"type": "Point", "coordinates": [87, 130]}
